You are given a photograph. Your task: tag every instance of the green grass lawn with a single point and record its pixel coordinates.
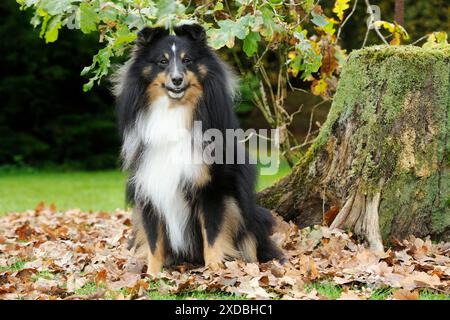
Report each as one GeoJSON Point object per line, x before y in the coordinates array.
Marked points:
{"type": "Point", "coordinates": [100, 190]}
{"type": "Point", "coordinates": [95, 190]}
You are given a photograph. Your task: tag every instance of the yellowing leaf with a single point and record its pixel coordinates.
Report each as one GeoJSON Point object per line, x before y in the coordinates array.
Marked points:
{"type": "Point", "coordinates": [218, 6]}
{"type": "Point", "coordinates": [316, 47]}
{"type": "Point", "coordinates": [339, 7]}
{"type": "Point", "coordinates": [292, 55]}
{"type": "Point", "coordinates": [431, 40]}
{"type": "Point", "coordinates": [319, 87]}
{"type": "Point", "coordinates": [329, 28]}
{"type": "Point", "coordinates": [441, 37]}
{"type": "Point", "coordinates": [386, 25]}
{"type": "Point", "coordinates": [399, 29]}
{"type": "Point", "coordinates": [395, 40]}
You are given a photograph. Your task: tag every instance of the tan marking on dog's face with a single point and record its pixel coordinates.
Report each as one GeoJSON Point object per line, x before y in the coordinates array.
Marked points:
{"type": "Point", "coordinates": [147, 71]}
{"type": "Point", "coordinates": [182, 55]}
{"type": "Point", "coordinates": [193, 92]}
{"type": "Point", "coordinates": [202, 70]}
{"type": "Point", "coordinates": [191, 96]}
{"type": "Point", "coordinates": [156, 88]}
{"type": "Point", "coordinates": [223, 247]}
{"type": "Point", "coordinates": [166, 55]}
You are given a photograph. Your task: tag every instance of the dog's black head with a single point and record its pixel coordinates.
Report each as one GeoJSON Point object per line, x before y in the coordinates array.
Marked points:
{"type": "Point", "coordinates": [180, 67]}
{"type": "Point", "coordinates": [173, 65]}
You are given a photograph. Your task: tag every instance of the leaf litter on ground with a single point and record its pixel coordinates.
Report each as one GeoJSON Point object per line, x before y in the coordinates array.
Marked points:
{"type": "Point", "coordinates": [60, 254]}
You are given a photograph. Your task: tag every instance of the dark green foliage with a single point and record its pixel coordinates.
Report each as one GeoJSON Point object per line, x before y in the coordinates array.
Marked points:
{"type": "Point", "coordinates": [45, 117]}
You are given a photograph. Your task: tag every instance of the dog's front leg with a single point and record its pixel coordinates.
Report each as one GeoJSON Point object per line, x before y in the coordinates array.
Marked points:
{"type": "Point", "coordinates": [220, 221]}
{"type": "Point", "coordinates": [155, 237]}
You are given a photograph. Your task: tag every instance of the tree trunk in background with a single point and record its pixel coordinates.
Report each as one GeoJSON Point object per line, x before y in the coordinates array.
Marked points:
{"type": "Point", "coordinates": [380, 161]}
{"type": "Point", "coordinates": [399, 15]}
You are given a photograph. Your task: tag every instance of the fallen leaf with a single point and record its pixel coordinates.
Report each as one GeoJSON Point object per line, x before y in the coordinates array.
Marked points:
{"type": "Point", "coordinates": [330, 215]}
{"type": "Point", "coordinates": [404, 294]}
{"type": "Point", "coordinates": [39, 207]}
{"type": "Point", "coordinates": [100, 277]}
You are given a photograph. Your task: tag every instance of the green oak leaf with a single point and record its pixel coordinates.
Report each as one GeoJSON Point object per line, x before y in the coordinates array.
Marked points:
{"type": "Point", "coordinates": [52, 31]}
{"type": "Point", "coordinates": [251, 43]}
{"type": "Point", "coordinates": [219, 38]}
{"type": "Point", "coordinates": [88, 18]}
{"type": "Point", "coordinates": [237, 28]}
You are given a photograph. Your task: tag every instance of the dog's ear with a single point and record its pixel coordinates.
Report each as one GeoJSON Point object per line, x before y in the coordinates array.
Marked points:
{"type": "Point", "coordinates": [194, 31]}
{"type": "Point", "coordinates": [148, 34]}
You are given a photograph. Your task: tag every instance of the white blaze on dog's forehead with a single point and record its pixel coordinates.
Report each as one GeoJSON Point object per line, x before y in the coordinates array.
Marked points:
{"type": "Point", "coordinates": [174, 50]}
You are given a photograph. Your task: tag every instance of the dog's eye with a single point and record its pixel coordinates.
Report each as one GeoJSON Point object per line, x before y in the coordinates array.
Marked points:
{"type": "Point", "coordinates": [186, 60]}
{"type": "Point", "coordinates": [163, 62]}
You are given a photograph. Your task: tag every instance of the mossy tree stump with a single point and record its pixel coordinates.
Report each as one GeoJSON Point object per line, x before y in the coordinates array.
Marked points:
{"type": "Point", "coordinates": [380, 160]}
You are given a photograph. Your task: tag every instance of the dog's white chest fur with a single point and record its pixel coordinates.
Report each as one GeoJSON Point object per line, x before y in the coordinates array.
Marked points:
{"type": "Point", "coordinates": [165, 166]}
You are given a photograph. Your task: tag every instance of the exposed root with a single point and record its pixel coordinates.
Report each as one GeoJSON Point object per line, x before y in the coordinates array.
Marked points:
{"type": "Point", "coordinates": [340, 219]}
{"type": "Point", "coordinates": [368, 227]}
{"type": "Point", "coordinates": [360, 213]}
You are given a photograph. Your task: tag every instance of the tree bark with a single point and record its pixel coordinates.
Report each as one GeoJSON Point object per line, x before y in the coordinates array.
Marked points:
{"type": "Point", "coordinates": [399, 10]}
{"type": "Point", "coordinates": [381, 159]}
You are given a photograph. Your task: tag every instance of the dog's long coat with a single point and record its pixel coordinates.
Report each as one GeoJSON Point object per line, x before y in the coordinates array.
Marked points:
{"type": "Point", "coordinates": [185, 209]}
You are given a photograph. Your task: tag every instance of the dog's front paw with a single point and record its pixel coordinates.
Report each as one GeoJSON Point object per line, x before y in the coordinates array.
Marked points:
{"type": "Point", "coordinates": [153, 266]}
{"type": "Point", "coordinates": [214, 265]}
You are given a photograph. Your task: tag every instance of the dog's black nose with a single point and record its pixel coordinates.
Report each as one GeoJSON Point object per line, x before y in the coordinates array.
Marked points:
{"type": "Point", "coordinates": [177, 80]}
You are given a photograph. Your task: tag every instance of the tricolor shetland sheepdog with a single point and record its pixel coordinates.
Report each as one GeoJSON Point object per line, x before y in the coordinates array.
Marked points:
{"type": "Point", "coordinates": [185, 211]}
